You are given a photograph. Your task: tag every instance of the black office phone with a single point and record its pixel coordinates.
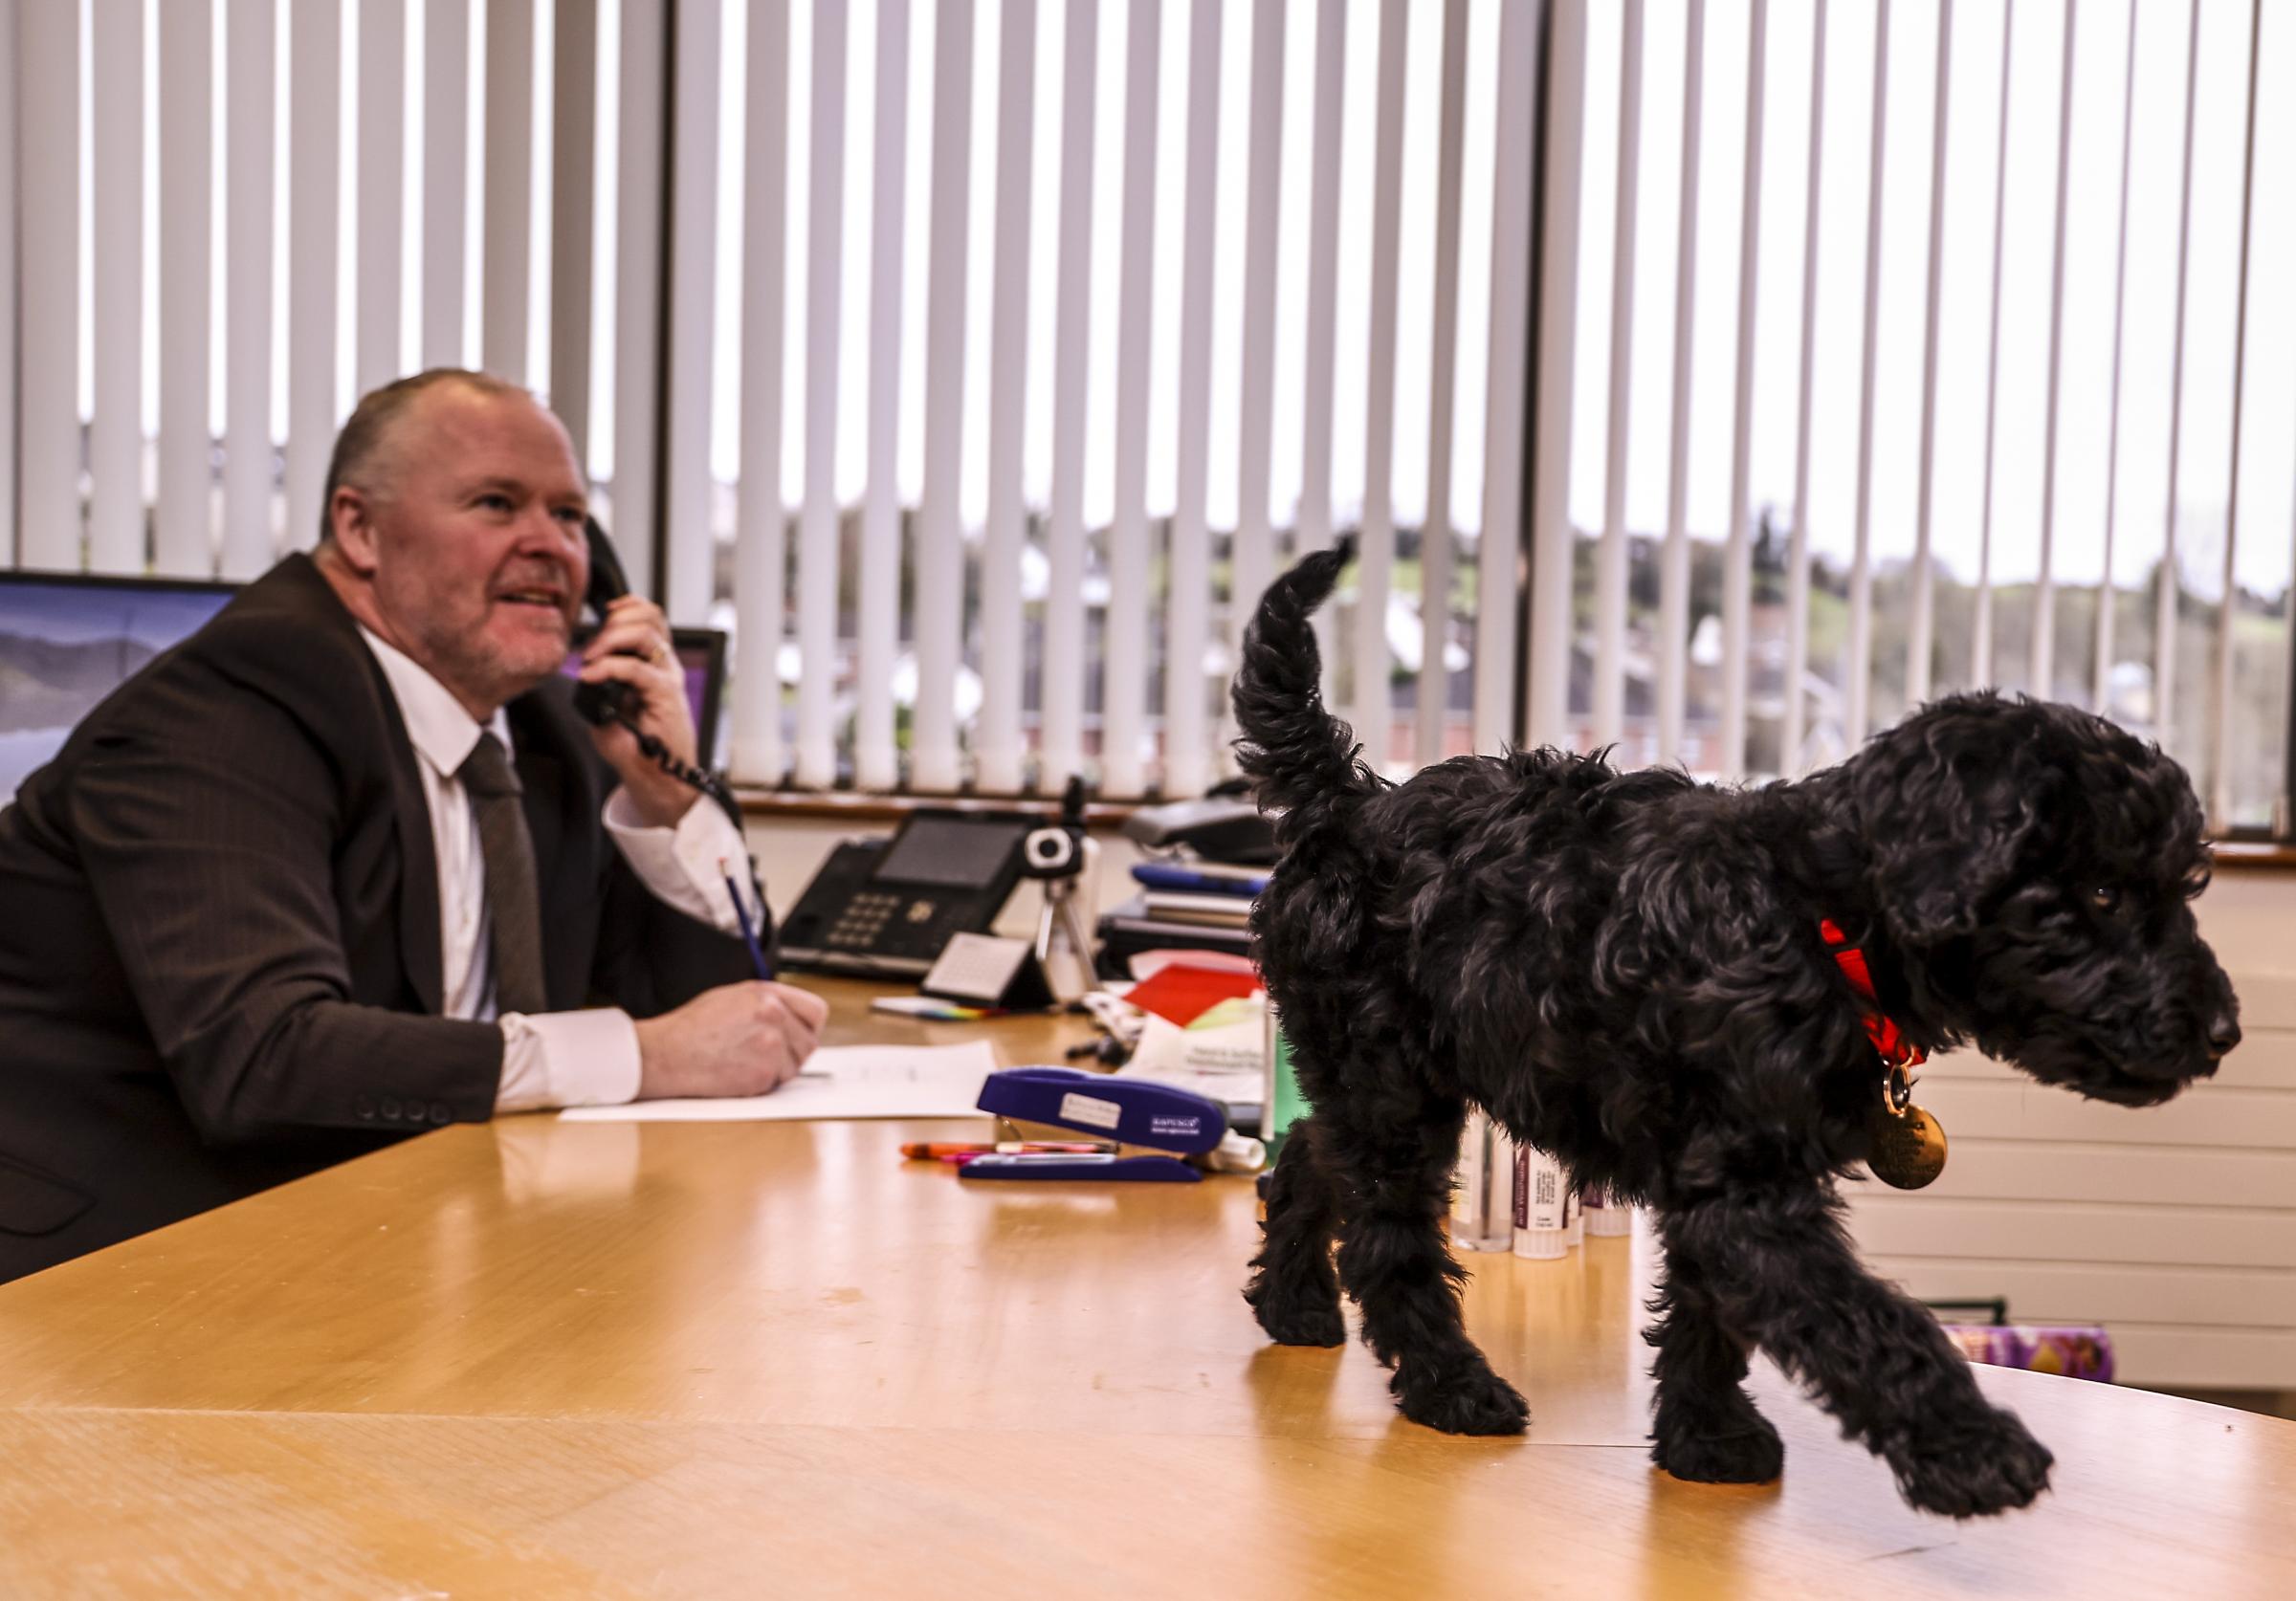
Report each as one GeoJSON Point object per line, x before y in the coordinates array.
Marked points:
{"type": "Point", "coordinates": [886, 907]}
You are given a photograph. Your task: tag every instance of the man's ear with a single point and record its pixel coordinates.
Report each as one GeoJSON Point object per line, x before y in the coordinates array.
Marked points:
{"type": "Point", "coordinates": [351, 526]}
{"type": "Point", "coordinates": [1947, 803]}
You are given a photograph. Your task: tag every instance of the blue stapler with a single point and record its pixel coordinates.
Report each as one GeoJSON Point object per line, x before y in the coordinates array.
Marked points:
{"type": "Point", "coordinates": [1129, 1111]}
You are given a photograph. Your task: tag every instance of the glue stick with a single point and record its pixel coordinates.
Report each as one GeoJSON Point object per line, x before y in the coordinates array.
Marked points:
{"type": "Point", "coordinates": [1541, 1228]}
{"type": "Point", "coordinates": [1606, 1215]}
{"type": "Point", "coordinates": [1482, 1199]}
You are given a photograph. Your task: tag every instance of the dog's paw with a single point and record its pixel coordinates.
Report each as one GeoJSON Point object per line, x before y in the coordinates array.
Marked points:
{"type": "Point", "coordinates": [1301, 1323]}
{"type": "Point", "coordinates": [1463, 1401]}
{"type": "Point", "coordinates": [1737, 1450]}
{"type": "Point", "coordinates": [1972, 1466]}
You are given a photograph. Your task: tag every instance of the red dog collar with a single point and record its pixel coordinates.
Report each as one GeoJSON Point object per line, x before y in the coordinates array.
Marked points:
{"type": "Point", "coordinates": [1888, 1040]}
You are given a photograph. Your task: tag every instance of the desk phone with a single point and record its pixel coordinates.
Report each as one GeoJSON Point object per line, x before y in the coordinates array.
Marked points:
{"type": "Point", "coordinates": [888, 907]}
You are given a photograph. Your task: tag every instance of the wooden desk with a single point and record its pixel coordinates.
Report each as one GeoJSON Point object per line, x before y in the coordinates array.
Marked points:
{"type": "Point", "coordinates": [536, 1358]}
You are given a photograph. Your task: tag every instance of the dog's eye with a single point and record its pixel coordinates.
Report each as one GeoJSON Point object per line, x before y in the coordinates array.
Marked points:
{"type": "Point", "coordinates": [2105, 898]}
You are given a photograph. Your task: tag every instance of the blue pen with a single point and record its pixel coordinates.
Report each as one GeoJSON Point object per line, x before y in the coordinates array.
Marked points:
{"type": "Point", "coordinates": [749, 934]}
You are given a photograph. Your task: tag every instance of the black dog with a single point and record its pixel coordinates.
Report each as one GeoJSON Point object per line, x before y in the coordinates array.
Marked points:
{"type": "Point", "coordinates": [1627, 970]}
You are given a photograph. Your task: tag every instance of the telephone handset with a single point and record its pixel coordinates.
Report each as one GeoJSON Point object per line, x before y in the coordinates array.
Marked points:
{"type": "Point", "coordinates": [608, 702]}
{"type": "Point", "coordinates": [616, 702]}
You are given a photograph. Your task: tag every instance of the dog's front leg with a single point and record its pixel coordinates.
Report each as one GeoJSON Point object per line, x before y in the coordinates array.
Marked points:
{"type": "Point", "coordinates": [1773, 1267]}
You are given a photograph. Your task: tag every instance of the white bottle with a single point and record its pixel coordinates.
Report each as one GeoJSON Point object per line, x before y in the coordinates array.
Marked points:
{"type": "Point", "coordinates": [1541, 1205]}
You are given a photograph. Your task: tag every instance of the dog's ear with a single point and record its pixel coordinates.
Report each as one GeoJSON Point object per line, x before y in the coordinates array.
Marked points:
{"type": "Point", "coordinates": [1949, 803]}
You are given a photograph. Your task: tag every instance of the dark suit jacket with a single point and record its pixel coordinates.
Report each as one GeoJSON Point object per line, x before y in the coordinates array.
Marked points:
{"type": "Point", "coordinates": [219, 928]}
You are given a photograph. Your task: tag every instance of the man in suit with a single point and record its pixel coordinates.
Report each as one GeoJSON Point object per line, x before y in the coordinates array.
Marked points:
{"type": "Point", "coordinates": [345, 865]}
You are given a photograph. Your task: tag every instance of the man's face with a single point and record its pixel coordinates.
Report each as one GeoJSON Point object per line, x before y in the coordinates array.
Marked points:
{"type": "Point", "coordinates": [477, 542]}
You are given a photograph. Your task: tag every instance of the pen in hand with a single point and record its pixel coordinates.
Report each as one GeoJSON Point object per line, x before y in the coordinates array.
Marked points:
{"type": "Point", "coordinates": [749, 932]}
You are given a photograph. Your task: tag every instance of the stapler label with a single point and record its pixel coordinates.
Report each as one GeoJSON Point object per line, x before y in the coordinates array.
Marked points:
{"type": "Point", "coordinates": [1090, 1110]}
{"type": "Point", "coordinates": [1182, 1127]}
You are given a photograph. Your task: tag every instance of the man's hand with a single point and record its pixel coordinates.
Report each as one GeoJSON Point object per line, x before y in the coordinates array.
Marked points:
{"type": "Point", "coordinates": [633, 647]}
{"type": "Point", "coordinates": [745, 1038]}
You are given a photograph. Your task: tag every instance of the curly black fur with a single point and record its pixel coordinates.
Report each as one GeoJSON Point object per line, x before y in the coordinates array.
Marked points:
{"type": "Point", "coordinates": [1626, 969]}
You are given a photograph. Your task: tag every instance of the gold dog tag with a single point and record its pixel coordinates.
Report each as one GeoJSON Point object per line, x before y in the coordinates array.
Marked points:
{"type": "Point", "coordinates": [1907, 1146]}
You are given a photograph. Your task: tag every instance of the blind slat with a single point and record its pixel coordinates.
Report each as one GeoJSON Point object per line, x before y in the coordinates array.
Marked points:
{"type": "Point", "coordinates": [1795, 728]}
{"type": "Point", "coordinates": [1064, 599]}
{"type": "Point", "coordinates": [1312, 528]}
{"type": "Point", "coordinates": [940, 535]}
{"type": "Point", "coordinates": [315, 47]}
{"type": "Point", "coordinates": [1375, 566]}
{"type": "Point", "coordinates": [1254, 561]}
{"type": "Point", "coordinates": [2042, 674]}
{"type": "Point", "coordinates": [638, 286]}
{"type": "Point", "coordinates": [761, 547]}
{"type": "Point", "coordinates": [1435, 556]}
{"type": "Point", "coordinates": [446, 160]}
{"type": "Point", "coordinates": [877, 763]}
{"type": "Point", "coordinates": [382, 187]}
{"type": "Point", "coordinates": [1124, 672]}
{"type": "Point", "coordinates": [10, 196]}
{"type": "Point", "coordinates": [1981, 636]}
{"type": "Point", "coordinates": [817, 534]}
{"type": "Point", "coordinates": [1737, 571]}
{"type": "Point", "coordinates": [1548, 667]}
{"type": "Point", "coordinates": [50, 535]}
{"type": "Point", "coordinates": [2165, 601]}
{"type": "Point", "coordinates": [1857, 663]}
{"type": "Point", "coordinates": [1610, 588]}
{"type": "Point", "coordinates": [1506, 379]}
{"type": "Point", "coordinates": [180, 542]}
{"type": "Point", "coordinates": [573, 222]}
{"type": "Point", "coordinates": [1674, 574]}
{"type": "Point", "coordinates": [509, 172]}
{"type": "Point", "coordinates": [1919, 634]}
{"type": "Point", "coordinates": [689, 549]}
{"type": "Point", "coordinates": [1000, 737]}
{"type": "Point", "coordinates": [2219, 721]}
{"type": "Point", "coordinates": [247, 462]}
{"type": "Point", "coordinates": [2108, 596]}
{"type": "Point", "coordinates": [1187, 612]}
{"type": "Point", "coordinates": [116, 308]}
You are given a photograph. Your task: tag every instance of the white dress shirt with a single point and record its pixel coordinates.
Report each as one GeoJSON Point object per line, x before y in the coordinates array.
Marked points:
{"type": "Point", "coordinates": [558, 1059]}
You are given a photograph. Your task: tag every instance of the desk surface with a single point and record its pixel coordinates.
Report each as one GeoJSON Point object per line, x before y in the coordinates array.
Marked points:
{"type": "Point", "coordinates": [540, 1358]}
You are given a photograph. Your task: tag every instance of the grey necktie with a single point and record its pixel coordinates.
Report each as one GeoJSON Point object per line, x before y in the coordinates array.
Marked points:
{"type": "Point", "coordinates": [511, 897]}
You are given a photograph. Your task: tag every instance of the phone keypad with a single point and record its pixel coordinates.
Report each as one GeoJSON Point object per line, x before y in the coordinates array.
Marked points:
{"type": "Point", "coordinates": [863, 920]}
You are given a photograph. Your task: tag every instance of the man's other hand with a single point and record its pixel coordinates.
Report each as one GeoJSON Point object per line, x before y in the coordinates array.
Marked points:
{"type": "Point", "coordinates": [745, 1038]}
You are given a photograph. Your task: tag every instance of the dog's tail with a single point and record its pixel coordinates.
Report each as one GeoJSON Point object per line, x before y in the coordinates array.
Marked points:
{"type": "Point", "coordinates": [1302, 760]}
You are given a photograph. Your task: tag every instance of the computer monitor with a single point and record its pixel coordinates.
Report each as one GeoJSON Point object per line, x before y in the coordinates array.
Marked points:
{"type": "Point", "coordinates": [701, 655]}
{"type": "Point", "coordinates": [69, 639]}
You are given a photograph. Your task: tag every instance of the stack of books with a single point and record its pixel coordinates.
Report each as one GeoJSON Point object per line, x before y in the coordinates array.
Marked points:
{"type": "Point", "coordinates": [1192, 906]}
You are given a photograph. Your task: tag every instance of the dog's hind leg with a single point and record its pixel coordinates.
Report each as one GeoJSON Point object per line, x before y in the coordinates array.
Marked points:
{"type": "Point", "coordinates": [1392, 1162]}
{"type": "Point", "coordinates": [1705, 1427]}
{"type": "Point", "coordinates": [1294, 1291]}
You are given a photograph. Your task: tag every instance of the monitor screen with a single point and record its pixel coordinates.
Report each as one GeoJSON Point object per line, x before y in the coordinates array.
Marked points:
{"type": "Point", "coordinates": [67, 642]}
{"type": "Point", "coordinates": [963, 854]}
{"type": "Point", "coordinates": [701, 655]}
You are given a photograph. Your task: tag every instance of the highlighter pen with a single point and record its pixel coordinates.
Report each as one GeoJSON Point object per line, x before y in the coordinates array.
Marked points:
{"type": "Point", "coordinates": [940, 1150]}
{"type": "Point", "coordinates": [749, 934]}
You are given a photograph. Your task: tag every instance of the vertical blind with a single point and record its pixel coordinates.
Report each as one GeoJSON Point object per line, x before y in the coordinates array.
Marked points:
{"type": "Point", "coordinates": [1918, 347]}
{"type": "Point", "coordinates": [977, 364]}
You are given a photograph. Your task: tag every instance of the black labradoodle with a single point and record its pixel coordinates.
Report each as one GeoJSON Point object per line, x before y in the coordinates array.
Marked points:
{"type": "Point", "coordinates": [1627, 970]}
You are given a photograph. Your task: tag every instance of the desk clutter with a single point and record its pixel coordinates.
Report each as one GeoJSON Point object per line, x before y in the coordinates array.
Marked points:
{"type": "Point", "coordinates": [1515, 1197]}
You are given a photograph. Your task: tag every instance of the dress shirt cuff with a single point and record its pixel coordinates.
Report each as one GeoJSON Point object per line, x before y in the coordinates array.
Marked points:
{"type": "Point", "coordinates": [568, 1059]}
{"type": "Point", "coordinates": [682, 866]}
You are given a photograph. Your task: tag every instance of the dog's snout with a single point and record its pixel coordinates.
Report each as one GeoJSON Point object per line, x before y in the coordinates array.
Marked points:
{"type": "Point", "coordinates": [2224, 1033]}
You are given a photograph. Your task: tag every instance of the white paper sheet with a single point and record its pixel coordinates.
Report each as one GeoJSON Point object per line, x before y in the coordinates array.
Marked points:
{"type": "Point", "coordinates": [839, 1081]}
